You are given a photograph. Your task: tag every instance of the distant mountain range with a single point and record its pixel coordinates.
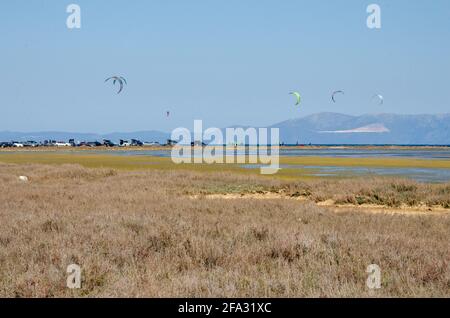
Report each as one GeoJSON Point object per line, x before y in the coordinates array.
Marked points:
{"type": "Point", "coordinates": [321, 128]}
{"type": "Point", "coordinates": [334, 128]}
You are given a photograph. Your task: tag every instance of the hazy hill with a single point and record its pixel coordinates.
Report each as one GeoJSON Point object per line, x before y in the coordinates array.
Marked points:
{"type": "Point", "coordinates": [334, 128]}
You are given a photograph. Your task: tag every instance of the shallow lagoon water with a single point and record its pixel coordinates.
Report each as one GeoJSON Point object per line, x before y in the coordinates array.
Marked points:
{"type": "Point", "coordinates": [429, 175]}
{"type": "Point", "coordinates": [440, 154]}
{"type": "Point", "coordinates": [425, 175]}
{"type": "Point", "coordinates": [418, 174]}
{"type": "Point", "coordinates": [333, 152]}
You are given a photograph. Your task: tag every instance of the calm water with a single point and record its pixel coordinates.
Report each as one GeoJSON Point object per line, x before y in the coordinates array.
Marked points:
{"type": "Point", "coordinates": [336, 153]}
{"type": "Point", "coordinates": [418, 174]}
{"type": "Point", "coordinates": [427, 175]}
{"type": "Point", "coordinates": [370, 153]}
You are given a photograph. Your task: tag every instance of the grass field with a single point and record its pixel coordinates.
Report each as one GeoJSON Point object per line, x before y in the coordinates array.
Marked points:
{"type": "Point", "coordinates": [143, 227]}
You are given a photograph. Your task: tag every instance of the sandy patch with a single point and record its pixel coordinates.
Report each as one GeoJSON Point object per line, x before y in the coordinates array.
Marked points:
{"type": "Point", "coordinates": [339, 208]}
{"type": "Point", "coordinates": [258, 196]}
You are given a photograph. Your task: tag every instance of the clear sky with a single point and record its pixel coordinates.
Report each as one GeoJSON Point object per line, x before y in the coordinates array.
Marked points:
{"type": "Point", "coordinates": [227, 62]}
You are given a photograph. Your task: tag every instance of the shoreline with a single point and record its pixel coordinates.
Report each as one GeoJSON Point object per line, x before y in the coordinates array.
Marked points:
{"type": "Point", "coordinates": [168, 148]}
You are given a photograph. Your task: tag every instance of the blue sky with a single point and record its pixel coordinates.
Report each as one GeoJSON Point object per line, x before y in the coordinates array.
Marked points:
{"type": "Point", "coordinates": [226, 62]}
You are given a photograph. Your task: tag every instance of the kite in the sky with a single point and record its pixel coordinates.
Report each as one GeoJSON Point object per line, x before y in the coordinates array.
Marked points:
{"type": "Point", "coordinates": [167, 113]}
{"type": "Point", "coordinates": [380, 98]}
{"type": "Point", "coordinates": [298, 97]}
{"type": "Point", "coordinates": [118, 79]}
{"type": "Point", "coordinates": [334, 94]}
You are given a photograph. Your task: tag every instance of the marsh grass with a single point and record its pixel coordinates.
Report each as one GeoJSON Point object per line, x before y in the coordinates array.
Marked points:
{"type": "Point", "coordinates": [121, 162]}
{"type": "Point", "coordinates": [373, 190]}
{"type": "Point", "coordinates": [136, 234]}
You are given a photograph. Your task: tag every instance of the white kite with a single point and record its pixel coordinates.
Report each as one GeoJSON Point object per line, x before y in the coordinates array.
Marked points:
{"type": "Point", "coordinates": [379, 97]}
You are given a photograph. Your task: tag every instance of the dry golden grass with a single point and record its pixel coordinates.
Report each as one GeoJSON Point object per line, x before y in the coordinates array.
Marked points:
{"type": "Point", "coordinates": [138, 233]}
{"type": "Point", "coordinates": [373, 190]}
